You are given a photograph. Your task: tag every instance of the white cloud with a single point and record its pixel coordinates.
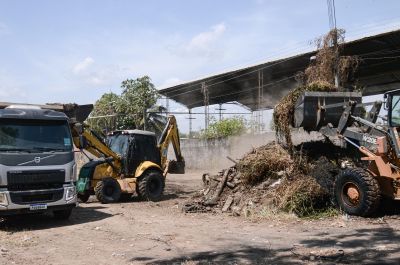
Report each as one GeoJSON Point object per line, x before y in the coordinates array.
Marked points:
{"type": "Point", "coordinates": [203, 40]}
{"type": "Point", "coordinates": [83, 66]}
{"type": "Point", "coordinates": [204, 44]}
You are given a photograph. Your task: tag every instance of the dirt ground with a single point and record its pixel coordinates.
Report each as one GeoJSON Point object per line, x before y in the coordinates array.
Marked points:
{"type": "Point", "coordinates": [159, 233]}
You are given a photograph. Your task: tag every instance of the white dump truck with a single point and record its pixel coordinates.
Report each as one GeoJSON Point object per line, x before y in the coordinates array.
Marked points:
{"type": "Point", "coordinates": [37, 164]}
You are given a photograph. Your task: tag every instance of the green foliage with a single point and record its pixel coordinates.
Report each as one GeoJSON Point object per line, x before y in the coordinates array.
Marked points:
{"type": "Point", "coordinates": [137, 96]}
{"type": "Point", "coordinates": [106, 106]}
{"type": "Point", "coordinates": [135, 108]}
{"type": "Point", "coordinates": [224, 128]}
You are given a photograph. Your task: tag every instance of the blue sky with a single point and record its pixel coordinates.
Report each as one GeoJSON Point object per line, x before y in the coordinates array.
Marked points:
{"type": "Point", "coordinates": [74, 51]}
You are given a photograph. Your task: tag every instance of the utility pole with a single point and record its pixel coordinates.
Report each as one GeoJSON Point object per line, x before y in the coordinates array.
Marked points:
{"type": "Point", "coordinates": [204, 90]}
{"type": "Point", "coordinates": [220, 109]}
{"type": "Point", "coordinates": [332, 26]}
{"type": "Point", "coordinates": [190, 118]}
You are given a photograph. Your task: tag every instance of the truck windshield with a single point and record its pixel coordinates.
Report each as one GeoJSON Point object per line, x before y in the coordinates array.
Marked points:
{"type": "Point", "coordinates": [118, 143]}
{"type": "Point", "coordinates": [34, 135]}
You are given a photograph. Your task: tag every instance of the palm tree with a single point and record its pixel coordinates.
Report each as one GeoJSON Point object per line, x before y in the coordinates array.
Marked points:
{"type": "Point", "coordinates": [155, 119]}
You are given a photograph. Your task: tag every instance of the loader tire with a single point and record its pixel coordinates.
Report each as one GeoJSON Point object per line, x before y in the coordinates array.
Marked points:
{"type": "Point", "coordinates": [151, 185]}
{"type": "Point", "coordinates": [108, 190]}
{"type": "Point", "coordinates": [357, 192]}
{"type": "Point", "coordinates": [83, 197]}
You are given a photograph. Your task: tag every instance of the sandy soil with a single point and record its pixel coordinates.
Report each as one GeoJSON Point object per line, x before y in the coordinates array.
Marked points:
{"type": "Point", "coordinates": [136, 232]}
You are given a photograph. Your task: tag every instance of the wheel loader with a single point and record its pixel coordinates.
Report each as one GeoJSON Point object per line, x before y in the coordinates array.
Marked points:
{"type": "Point", "coordinates": [127, 162]}
{"type": "Point", "coordinates": [341, 116]}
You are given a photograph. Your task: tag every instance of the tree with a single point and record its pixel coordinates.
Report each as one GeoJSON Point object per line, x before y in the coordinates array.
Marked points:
{"type": "Point", "coordinates": [135, 108]}
{"type": "Point", "coordinates": [105, 113]}
{"type": "Point", "coordinates": [137, 97]}
{"type": "Point", "coordinates": [224, 128]}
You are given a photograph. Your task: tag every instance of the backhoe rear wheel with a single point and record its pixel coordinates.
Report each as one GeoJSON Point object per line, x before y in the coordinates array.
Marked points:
{"type": "Point", "coordinates": [151, 185]}
{"type": "Point", "coordinates": [357, 192]}
{"type": "Point", "coordinates": [108, 190]}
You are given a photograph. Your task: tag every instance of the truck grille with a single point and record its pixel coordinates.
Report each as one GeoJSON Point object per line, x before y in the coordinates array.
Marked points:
{"type": "Point", "coordinates": [35, 180]}
{"type": "Point", "coordinates": [27, 197]}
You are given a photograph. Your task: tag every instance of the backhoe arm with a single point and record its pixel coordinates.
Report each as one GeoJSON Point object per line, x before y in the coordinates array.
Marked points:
{"type": "Point", "coordinates": [170, 135]}
{"type": "Point", "coordinates": [84, 138]}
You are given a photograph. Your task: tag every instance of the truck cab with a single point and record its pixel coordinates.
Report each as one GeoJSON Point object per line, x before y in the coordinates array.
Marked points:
{"type": "Point", "coordinates": [37, 165]}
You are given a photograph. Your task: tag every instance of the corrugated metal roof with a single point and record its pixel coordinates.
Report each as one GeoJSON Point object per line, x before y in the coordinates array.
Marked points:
{"type": "Point", "coordinates": [379, 72]}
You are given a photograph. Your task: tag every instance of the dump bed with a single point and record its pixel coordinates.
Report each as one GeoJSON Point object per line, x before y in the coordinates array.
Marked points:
{"type": "Point", "coordinates": [316, 109]}
{"type": "Point", "coordinates": [77, 113]}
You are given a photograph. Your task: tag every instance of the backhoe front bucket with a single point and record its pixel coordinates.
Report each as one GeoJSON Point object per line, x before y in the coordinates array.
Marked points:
{"type": "Point", "coordinates": [316, 109]}
{"type": "Point", "coordinates": [176, 167]}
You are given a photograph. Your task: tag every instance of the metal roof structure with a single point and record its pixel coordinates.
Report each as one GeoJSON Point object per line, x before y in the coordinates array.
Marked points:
{"type": "Point", "coordinates": [262, 86]}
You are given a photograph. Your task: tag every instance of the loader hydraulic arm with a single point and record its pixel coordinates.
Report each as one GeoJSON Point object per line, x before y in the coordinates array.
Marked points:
{"type": "Point", "coordinates": [84, 138]}
{"type": "Point", "coordinates": [170, 135]}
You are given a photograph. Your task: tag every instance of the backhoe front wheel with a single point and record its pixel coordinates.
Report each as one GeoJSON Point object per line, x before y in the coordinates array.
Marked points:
{"type": "Point", "coordinates": [151, 185]}
{"type": "Point", "coordinates": [83, 197]}
{"type": "Point", "coordinates": [357, 192]}
{"type": "Point", "coordinates": [108, 190]}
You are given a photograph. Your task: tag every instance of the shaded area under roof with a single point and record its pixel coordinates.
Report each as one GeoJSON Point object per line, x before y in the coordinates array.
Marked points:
{"type": "Point", "coordinates": [379, 71]}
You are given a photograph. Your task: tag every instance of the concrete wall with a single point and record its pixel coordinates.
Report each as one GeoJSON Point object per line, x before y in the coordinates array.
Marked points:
{"type": "Point", "coordinates": [211, 155]}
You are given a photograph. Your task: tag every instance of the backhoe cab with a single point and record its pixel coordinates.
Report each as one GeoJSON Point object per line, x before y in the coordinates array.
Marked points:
{"type": "Point", "coordinates": [341, 115]}
{"type": "Point", "coordinates": [129, 161]}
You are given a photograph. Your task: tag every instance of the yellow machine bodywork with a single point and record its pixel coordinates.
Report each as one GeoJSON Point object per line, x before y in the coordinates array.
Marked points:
{"type": "Point", "coordinates": [86, 140]}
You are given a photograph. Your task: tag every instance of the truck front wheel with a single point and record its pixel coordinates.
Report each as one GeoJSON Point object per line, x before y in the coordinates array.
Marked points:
{"type": "Point", "coordinates": [357, 192]}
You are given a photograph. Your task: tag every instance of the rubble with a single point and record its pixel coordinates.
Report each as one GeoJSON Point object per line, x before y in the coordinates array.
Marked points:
{"type": "Point", "coordinates": [268, 177]}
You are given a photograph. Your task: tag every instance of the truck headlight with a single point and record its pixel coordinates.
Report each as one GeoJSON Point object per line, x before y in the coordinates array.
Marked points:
{"type": "Point", "coordinates": [3, 198]}
{"type": "Point", "coordinates": [70, 193]}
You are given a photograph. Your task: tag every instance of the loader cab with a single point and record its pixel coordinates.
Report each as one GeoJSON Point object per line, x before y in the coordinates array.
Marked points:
{"type": "Point", "coordinates": [393, 107]}
{"type": "Point", "coordinates": [135, 147]}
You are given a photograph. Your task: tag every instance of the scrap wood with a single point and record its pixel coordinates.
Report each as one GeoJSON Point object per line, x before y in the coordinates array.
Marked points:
{"type": "Point", "coordinates": [213, 200]}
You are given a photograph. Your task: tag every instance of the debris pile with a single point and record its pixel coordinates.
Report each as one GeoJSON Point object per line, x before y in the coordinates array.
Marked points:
{"type": "Point", "coordinates": [297, 179]}
{"type": "Point", "coordinates": [268, 177]}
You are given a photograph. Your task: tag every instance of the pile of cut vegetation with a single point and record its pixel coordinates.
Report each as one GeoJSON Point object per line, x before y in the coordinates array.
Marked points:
{"type": "Point", "coordinates": [296, 179]}
{"type": "Point", "coordinates": [284, 111]}
{"type": "Point", "coordinates": [269, 177]}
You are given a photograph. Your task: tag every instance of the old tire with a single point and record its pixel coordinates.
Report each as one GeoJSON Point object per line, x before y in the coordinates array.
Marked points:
{"type": "Point", "coordinates": [151, 185]}
{"type": "Point", "coordinates": [62, 214]}
{"type": "Point", "coordinates": [83, 197]}
{"type": "Point", "coordinates": [108, 190]}
{"type": "Point", "coordinates": [357, 192]}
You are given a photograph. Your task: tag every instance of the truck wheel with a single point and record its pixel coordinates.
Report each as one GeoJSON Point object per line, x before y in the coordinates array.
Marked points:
{"type": "Point", "coordinates": [357, 192]}
{"type": "Point", "coordinates": [62, 214]}
{"type": "Point", "coordinates": [151, 185]}
{"type": "Point", "coordinates": [83, 197]}
{"type": "Point", "coordinates": [108, 190]}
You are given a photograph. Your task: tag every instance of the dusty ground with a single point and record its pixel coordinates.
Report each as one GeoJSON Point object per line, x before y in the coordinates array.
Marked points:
{"type": "Point", "coordinates": [159, 233]}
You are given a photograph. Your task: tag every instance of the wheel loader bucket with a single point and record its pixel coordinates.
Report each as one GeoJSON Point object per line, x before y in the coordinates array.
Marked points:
{"type": "Point", "coordinates": [316, 109]}
{"type": "Point", "coordinates": [176, 167]}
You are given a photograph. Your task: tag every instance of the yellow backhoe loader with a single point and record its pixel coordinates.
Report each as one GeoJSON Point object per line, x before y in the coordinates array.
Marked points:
{"type": "Point", "coordinates": [127, 162]}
